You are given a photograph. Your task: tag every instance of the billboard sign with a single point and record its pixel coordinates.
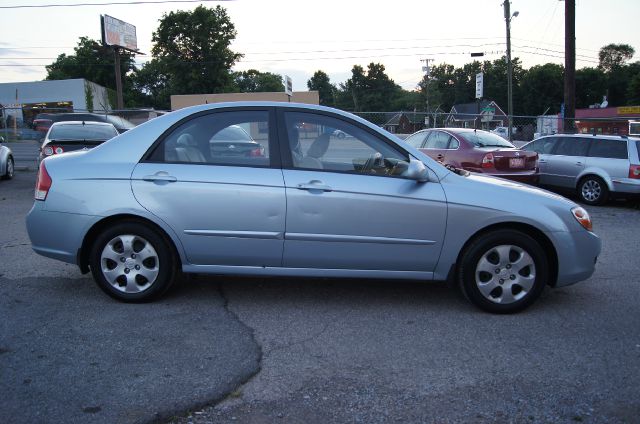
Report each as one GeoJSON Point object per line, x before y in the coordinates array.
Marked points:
{"type": "Point", "coordinates": [118, 33]}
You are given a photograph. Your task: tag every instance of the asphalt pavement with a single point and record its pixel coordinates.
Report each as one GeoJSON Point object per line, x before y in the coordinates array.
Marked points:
{"type": "Point", "coordinates": [314, 350]}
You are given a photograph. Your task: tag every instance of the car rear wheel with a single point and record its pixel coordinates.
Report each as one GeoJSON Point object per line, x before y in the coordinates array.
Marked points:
{"type": "Point", "coordinates": [503, 271]}
{"type": "Point", "coordinates": [593, 190]}
{"type": "Point", "coordinates": [133, 263]}
{"type": "Point", "coordinates": [10, 169]}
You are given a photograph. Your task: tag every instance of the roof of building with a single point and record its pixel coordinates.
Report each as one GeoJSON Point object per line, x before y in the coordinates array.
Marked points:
{"type": "Point", "coordinates": [413, 117]}
{"type": "Point", "coordinates": [467, 111]}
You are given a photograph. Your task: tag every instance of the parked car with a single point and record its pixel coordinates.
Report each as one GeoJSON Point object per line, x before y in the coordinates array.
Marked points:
{"type": "Point", "coordinates": [477, 151]}
{"type": "Point", "coordinates": [43, 121]}
{"type": "Point", "coordinates": [7, 164]}
{"type": "Point", "coordinates": [135, 213]}
{"type": "Point", "coordinates": [597, 167]}
{"type": "Point", "coordinates": [504, 131]}
{"type": "Point", "coordinates": [68, 136]}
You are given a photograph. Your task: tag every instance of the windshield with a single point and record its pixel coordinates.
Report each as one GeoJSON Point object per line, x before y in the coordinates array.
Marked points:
{"type": "Point", "coordinates": [486, 139]}
{"type": "Point", "coordinates": [82, 132]}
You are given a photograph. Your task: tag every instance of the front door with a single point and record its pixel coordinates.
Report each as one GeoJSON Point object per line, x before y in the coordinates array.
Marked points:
{"type": "Point", "coordinates": [348, 205]}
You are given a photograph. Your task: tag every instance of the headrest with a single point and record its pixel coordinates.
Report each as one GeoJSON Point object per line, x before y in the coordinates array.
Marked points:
{"type": "Point", "coordinates": [186, 140]}
{"type": "Point", "coordinates": [319, 146]}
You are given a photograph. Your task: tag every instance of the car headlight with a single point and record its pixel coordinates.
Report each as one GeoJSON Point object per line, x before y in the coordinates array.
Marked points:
{"type": "Point", "coordinates": [582, 216]}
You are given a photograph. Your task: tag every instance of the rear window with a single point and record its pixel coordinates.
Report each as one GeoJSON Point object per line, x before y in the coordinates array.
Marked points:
{"type": "Point", "coordinates": [486, 139]}
{"type": "Point", "coordinates": [638, 147]}
{"type": "Point", "coordinates": [82, 132]}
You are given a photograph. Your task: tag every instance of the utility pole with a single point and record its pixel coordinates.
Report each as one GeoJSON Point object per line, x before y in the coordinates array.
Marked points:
{"type": "Point", "coordinates": [507, 17]}
{"type": "Point", "coordinates": [119, 101]}
{"type": "Point", "coordinates": [569, 66]}
{"type": "Point", "coordinates": [427, 70]}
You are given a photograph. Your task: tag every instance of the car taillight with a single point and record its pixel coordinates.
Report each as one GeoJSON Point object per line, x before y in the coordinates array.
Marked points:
{"type": "Point", "coordinates": [487, 161]}
{"type": "Point", "coordinates": [58, 149]}
{"type": "Point", "coordinates": [634, 172]}
{"type": "Point", "coordinates": [43, 183]}
{"type": "Point", "coordinates": [257, 152]}
{"type": "Point", "coordinates": [48, 151]}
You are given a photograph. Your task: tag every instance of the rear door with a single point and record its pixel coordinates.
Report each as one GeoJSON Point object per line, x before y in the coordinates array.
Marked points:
{"type": "Point", "coordinates": [437, 145]}
{"type": "Point", "coordinates": [610, 155]}
{"type": "Point", "coordinates": [226, 209]}
{"type": "Point", "coordinates": [543, 146]}
{"type": "Point", "coordinates": [567, 162]}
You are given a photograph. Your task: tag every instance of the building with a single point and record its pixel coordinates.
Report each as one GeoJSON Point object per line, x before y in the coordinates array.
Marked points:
{"type": "Point", "coordinates": [23, 100]}
{"type": "Point", "coordinates": [180, 101]}
{"type": "Point", "coordinates": [606, 120]}
{"type": "Point", "coordinates": [465, 115]}
{"type": "Point", "coordinates": [405, 123]}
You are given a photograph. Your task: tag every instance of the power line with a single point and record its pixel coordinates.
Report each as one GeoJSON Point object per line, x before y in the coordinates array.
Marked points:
{"type": "Point", "coordinates": [112, 3]}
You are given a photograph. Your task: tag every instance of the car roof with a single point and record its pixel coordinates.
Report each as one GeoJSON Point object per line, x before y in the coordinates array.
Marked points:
{"type": "Point", "coordinates": [598, 136]}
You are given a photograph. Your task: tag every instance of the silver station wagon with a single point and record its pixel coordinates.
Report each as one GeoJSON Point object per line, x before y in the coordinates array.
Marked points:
{"type": "Point", "coordinates": [321, 193]}
{"type": "Point", "coordinates": [597, 167]}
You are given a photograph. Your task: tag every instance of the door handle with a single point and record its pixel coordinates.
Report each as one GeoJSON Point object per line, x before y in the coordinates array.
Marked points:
{"type": "Point", "coordinates": [160, 177]}
{"type": "Point", "coordinates": [542, 161]}
{"type": "Point", "coordinates": [578, 163]}
{"type": "Point", "coordinates": [314, 185]}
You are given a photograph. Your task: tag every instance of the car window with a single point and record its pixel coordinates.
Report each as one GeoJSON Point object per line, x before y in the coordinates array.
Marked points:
{"type": "Point", "coordinates": [572, 146]}
{"type": "Point", "coordinates": [438, 140]}
{"type": "Point", "coordinates": [453, 143]}
{"type": "Point", "coordinates": [638, 147]}
{"type": "Point", "coordinates": [417, 139]}
{"type": "Point", "coordinates": [82, 132]}
{"type": "Point", "coordinates": [542, 145]}
{"type": "Point", "coordinates": [314, 145]}
{"type": "Point", "coordinates": [221, 138]}
{"type": "Point", "coordinates": [613, 149]}
{"type": "Point", "coordinates": [485, 139]}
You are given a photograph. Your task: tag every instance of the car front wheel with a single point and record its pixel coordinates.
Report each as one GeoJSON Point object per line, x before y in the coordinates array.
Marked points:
{"type": "Point", "coordinates": [133, 263]}
{"type": "Point", "coordinates": [503, 271]}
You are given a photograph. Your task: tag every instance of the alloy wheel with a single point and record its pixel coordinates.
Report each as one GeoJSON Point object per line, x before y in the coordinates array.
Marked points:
{"type": "Point", "coordinates": [591, 190]}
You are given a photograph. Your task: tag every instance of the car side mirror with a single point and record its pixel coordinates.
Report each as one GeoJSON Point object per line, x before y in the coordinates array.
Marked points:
{"type": "Point", "coordinates": [417, 171]}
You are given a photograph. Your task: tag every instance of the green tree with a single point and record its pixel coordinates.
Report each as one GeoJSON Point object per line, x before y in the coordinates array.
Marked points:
{"type": "Point", "coordinates": [591, 86]}
{"type": "Point", "coordinates": [633, 93]}
{"type": "Point", "coordinates": [94, 62]}
{"type": "Point", "coordinates": [253, 81]}
{"type": "Point", "coordinates": [613, 56]}
{"type": "Point", "coordinates": [544, 85]}
{"type": "Point", "coordinates": [192, 51]}
{"type": "Point", "coordinates": [321, 83]}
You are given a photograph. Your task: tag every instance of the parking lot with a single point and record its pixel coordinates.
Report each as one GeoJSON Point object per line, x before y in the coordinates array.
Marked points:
{"type": "Point", "coordinates": [314, 350]}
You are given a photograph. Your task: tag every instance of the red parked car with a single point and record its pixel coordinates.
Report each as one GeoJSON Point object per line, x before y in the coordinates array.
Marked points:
{"type": "Point", "coordinates": [477, 151]}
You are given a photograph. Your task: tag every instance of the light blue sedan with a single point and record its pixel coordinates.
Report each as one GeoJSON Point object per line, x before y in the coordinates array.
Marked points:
{"type": "Point", "coordinates": [163, 198]}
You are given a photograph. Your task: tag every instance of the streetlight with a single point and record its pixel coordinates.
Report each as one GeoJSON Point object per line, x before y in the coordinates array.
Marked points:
{"type": "Point", "coordinates": [507, 17]}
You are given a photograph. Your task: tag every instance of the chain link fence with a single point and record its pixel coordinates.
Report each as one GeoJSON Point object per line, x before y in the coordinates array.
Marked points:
{"type": "Point", "coordinates": [20, 124]}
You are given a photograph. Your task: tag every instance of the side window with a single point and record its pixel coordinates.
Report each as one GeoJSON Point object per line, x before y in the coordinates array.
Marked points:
{"type": "Point", "coordinates": [572, 146]}
{"type": "Point", "coordinates": [417, 139]}
{"type": "Point", "coordinates": [219, 138]}
{"type": "Point", "coordinates": [613, 149]}
{"type": "Point", "coordinates": [542, 145]}
{"type": "Point", "coordinates": [438, 140]}
{"type": "Point", "coordinates": [326, 143]}
{"type": "Point", "coordinates": [454, 143]}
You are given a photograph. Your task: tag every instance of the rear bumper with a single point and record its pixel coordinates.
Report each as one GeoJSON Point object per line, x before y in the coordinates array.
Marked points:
{"type": "Point", "coordinates": [528, 177]}
{"type": "Point", "coordinates": [626, 186]}
{"type": "Point", "coordinates": [577, 254]}
{"type": "Point", "coordinates": [57, 235]}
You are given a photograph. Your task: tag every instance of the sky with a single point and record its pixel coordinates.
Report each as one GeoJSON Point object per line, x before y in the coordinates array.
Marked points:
{"type": "Point", "coordinates": [297, 38]}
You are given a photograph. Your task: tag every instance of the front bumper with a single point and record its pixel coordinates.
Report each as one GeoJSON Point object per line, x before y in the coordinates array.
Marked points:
{"type": "Point", "coordinates": [577, 255]}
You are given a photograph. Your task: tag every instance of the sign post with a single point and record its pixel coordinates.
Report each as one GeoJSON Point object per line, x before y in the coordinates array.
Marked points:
{"type": "Point", "coordinates": [288, 86]}
{"type": "Point", "coordinates": [479, 94]}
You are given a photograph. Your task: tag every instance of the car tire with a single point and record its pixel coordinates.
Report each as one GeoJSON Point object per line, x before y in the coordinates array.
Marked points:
{"type": "Point", "coordinates": [503, 271]}
{"type": "Point", "coordinates": [593, 190]}
{"type": "Point", "coordinates": [10, 171]}
{"type": "Point", "coordinates": [132, 262]}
